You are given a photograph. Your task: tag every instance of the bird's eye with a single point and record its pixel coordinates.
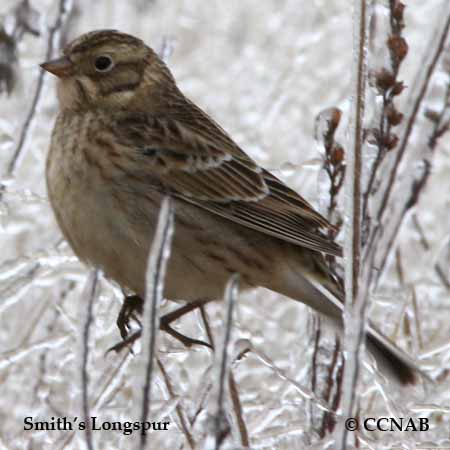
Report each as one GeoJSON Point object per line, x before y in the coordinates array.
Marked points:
{"type": "Point", "coordinates": [103, 63]}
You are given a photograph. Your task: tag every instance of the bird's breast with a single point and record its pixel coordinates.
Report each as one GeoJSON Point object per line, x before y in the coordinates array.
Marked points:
{"type": "Point", "coordinates": [84, 192]}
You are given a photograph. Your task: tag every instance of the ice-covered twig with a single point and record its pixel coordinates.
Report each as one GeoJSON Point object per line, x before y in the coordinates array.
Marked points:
{"type": "Point", "coordinates": [53, 40]}
{"type": "Point", "coordinates": [355, 298]}
{"type": "Point", "coordinates": [327, 123]}
{"type": "Point", "coordinates": [334, 380]}
{"type": "Point", "coordinates": [113, 382]}
{"type": "Point", "coordinates": [13, 356]}
{"type": "Point", "coordinates": [207, 326]}
{"type": "Point", "coordinates": [316, 326]}
{"type": "Point", "coordinates": [333, 164]}
{"type": "Point", "coordinates": [26, 20]}
{"type": "Point", "coordinates": [167, 48]}
{"type": "Point", "coordinates": [44, 357]}
{"type": "Point", "coordinates": [232, 386]}
{"type": "Point", "coordinates": [22, 19]}
{"type": "Point", "coordinates": [237, 407]}
{"type": "Point", "coordinates": [418, 90]}
{"type": "Point", "coordinates": [156, 270]}
{"type": "Point", "coordinates": [303, 391]}
{"type": "Point", "coordinates": [388, 87]}
{"type": "Point", "coordinates": [441, 125]}
{"type": "Point", "coordinates": [89, 294]}
{"type": "Point", "coordinates": [219, 421]}
{"type": "Point", "coordinates": [8, 58]}
{"type": "Point", "coordinates": [326, 380]}
{"type": "Point", "coordinates": [183, 420]}
{"type": "Point", "coordinates": [320, 374]}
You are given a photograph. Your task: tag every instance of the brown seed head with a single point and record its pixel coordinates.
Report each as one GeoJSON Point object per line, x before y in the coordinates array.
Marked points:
{"type": "Point", "coordinates": [335, 118]}
{"type": "Point", "coordinates": [337, 155]}
{"type": "Point", "coordinates": [393, 116]}
{"type": "Point", "coordinates": [398, 87]}
{"type": "Point", "coordinates": [384, 79]}
{"type": "Point", "coordinates": [398, 47]}
{"type": "Point", "coordinates": [391, 141]}
{"type": "Point", "coordinates": [398, 10]}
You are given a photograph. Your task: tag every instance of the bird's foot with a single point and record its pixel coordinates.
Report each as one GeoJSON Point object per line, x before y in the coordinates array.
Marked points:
{"type": "Point", "coordinates": [133, 307]}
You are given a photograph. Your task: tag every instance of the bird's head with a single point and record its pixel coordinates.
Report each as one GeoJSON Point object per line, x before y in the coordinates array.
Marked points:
{"type": "Point", "coordinates": [110, 70]}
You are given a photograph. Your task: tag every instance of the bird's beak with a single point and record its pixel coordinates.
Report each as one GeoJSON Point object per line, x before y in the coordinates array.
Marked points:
{"type": "Point", "coordinates": [61, 67]}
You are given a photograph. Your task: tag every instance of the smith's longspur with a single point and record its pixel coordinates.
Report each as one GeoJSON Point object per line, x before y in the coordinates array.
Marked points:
{"type": "Point", "coordinates": [125, 136]}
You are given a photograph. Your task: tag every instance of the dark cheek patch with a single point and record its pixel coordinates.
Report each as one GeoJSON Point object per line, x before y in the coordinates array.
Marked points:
{"type": "Point", "coordinates": [122, 88]}
{"type": "Point", "coordinates": [118, 80]}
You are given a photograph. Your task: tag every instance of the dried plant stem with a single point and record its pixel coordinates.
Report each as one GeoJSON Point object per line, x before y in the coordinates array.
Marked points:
{"type": "Point", "coordinates": [237, 407]}
{"type": "Point", "coordinates": [113, 382]}
{"type": "Point", "coordinates": [317, 333]}
{"type": "Point", "coordinates": [156, 270]}
{"type": "Point", "coordinates": [90, 292]}
{"type": "Point", "coordinates": [353, 176]}
{"type": "Point", "coordinates": [355, 302]}
{"type": "Point", "coordinates": [50, 330]}
{"type": "Point", "coordinates": [388, 87]}
{"type": "Point", "coordinates": [54, 34]}
{"type": "Point", "coordinates": [207, 326]}
{"type": "Point", "coordinates": [232, 385]}
{"type": "Point", "coordinates": [220, 427]}
{"type": "Point", "coordinates": [419, 182]}
{"type": "Point", "coordinates": [423, 238]}
{"type": "Point", "coordinates": [303, 391]}
{"type": "Point", "coordinates": [442, 276]}
{"type": "Point", "coordinates": [418, 90]}
{"type": "Point", "coordinates": [334, 379]}
{"type": "Point", "coordinates": [106, 392]}
{"type": "Point", "coordinates": [327, 123]}
{"type": "Point", "coordinates": [180, 412]}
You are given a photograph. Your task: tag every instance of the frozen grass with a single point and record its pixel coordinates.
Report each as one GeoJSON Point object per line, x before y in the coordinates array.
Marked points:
{"type": "Point", "coordinates": [264, 70]}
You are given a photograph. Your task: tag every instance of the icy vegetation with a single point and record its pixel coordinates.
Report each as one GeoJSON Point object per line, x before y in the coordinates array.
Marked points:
{"type": "Point", "coordinates": [265, 70]}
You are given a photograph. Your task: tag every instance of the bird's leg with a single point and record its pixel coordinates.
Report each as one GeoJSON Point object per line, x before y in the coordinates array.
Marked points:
{"type": "Point", "coordinates": [167, 319]}
{"type": "Point", "coordinates": [133, 305]}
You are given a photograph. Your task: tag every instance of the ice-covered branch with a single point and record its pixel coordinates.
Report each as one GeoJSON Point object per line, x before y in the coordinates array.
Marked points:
{"type": "Point", "coordinates": [220, 427]}
{"type": "Point", "coordinates": [22, 19]}
{"type": "Point", "coordinates": [53, 42]}
{"type": "Point", "coordinates": [394, 190]}
{"type": "Point", "coordinates": [327, 123]}
{"type": "Point", "coordinates": [183, 420]}
{"type": "Point", "coordinates": [355, 298]}
{"type": "Point", "coordinates": [384, 79]}
{"type": "Point", "coordinates": [89, 294]}
{"type": "Point", "coordinates": [237, 408]}
{"type": "Point", "coordinates": [440, 125]}
{"type": "Point", "coordinates": [418, 90]}
{"type": "Point", "coordinates": [156, 270]}
{"type": "Point", "coordinates": [333, 164]}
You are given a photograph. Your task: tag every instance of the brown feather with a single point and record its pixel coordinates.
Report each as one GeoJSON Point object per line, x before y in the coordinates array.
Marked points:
{"type": "Point", "coordinates": [194, 159]}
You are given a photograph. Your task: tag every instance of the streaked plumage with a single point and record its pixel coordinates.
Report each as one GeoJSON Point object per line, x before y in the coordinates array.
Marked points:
{"type": "Point", "coordinates": [126, 136]}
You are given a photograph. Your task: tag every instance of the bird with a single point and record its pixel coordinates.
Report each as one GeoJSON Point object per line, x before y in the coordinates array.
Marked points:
{"type": "Point", "coordinates": [125, 137]}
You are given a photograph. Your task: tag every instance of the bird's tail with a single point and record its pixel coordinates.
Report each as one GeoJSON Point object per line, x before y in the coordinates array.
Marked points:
{"type": "Point", "coordinates": [323, 295]}
{"type": "Point", "coordinates": [391, 359]}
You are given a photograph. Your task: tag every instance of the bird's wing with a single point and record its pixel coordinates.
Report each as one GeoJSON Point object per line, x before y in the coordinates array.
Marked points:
{"type": "Point", "coordinates": [196, 160]}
